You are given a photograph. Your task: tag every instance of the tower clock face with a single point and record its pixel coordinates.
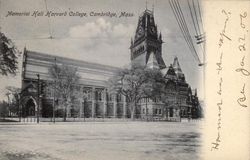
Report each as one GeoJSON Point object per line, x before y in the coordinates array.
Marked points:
{"type": "Point", "coordinates": [152, 30]}
{"type": "Point", "coordinates": [139, 32]}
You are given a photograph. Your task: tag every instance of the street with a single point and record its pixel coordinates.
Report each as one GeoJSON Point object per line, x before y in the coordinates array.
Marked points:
{"type": "Point", "coordinates": [101, 140]}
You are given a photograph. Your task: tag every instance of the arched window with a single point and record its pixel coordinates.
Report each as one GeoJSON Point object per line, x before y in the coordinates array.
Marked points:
{"type": "Point", "coordinates": [171, 112]}
{"type": "Point", "coordinates": [88, 93]}
{"type": "Point", "coordinates": [119, 97]}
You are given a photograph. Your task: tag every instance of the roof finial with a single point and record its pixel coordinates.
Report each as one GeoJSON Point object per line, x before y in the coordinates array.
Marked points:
{"type": "Point", "coordinates": [146, 5]}
{"type": "Point", "coordinates": [160, 38]}
{"type": "Point", "coordinates": [24, 50]}
{"type": "Point", "coordinates": [153, 8]}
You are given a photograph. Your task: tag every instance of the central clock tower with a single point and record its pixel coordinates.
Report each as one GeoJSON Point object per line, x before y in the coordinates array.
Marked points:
{"type": "Point", "coordinates": [147, 41]}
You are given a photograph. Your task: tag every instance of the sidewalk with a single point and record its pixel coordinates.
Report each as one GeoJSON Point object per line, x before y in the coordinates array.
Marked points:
{"type": "Point", "coordinates": [33, 121]}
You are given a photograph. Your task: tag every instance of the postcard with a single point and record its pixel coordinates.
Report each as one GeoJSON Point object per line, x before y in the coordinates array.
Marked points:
{"type": "Point", "coordinates": [113, 79]}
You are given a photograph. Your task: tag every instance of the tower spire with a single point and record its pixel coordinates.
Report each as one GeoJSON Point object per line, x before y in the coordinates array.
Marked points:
{"type": "Point", "coordinates": [146, 41]}
{"type": "Point", "coordinates": [177, 68]}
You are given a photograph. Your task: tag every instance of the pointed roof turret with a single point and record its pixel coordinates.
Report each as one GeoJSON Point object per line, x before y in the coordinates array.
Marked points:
{"type": "Point", "coordinates": [146, 26]}
{"type": "Point", "coordinates": [177, 69]}
{"type": "Point", "coordinates": [170, 73]}
{"type": "Point", "coordinates": [171, 70]}
{"type": "Point", "coordinates": [176, 65]}
{"type": "Point", "coordinates": [160, 37]}
{"type": "Point", "coordinates": [152, 62]}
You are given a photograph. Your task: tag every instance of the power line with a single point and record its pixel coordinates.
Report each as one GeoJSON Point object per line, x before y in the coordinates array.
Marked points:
{"type": "Point", "coordinates": [178, 21]}
{"type": "Point", "coordinates": [183, 26]}
{"type": "Point", "coordinates": [50, 30]}
{"type": "Point", "coordinates": [191, 13]}
{"type": "Point", "coordinates": [201, 37]}
{"type": "Point", "coordinates": [200, 15]}
{"type": "Point", "coordinates": [72, 38]}
{"type": "Point", "coordinates": [204, 35]}
{"type": "Point", "coordinates": [196, 17]}
{"type": "Point", "coordinates": [198, 33]}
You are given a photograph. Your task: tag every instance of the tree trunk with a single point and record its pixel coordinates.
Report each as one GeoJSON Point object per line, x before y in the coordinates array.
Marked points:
{"type": "Point", "coordinates": [65, 113]}
{"type": "Point", "coordinates": [132, 114]}
{"type": "Point", "coordinates": [132, 109]}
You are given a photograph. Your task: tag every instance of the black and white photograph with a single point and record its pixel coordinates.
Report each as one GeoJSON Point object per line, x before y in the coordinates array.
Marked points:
{"type": "Point", "coordinates": [104, 80]}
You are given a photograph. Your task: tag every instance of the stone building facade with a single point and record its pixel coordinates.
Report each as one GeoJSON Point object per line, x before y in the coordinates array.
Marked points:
{"type": "Point", "coordinates": [146, 49]}
{"type": "Point", "coordinates": [95, 100]}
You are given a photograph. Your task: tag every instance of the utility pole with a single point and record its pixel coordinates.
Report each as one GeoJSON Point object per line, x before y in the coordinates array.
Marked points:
{"type": "Point", "coordinates": [146, 108]}
{"type": "Point", "coordinates": [8, 110]}
{"type": "Point", "coordinates": [54, 102]}
{"type": "Point", "coordinates": [180, 108]}
{"type": "Point", "coordinates": [54, 97]}
{"type": "Point", "coordinates": [38, 97]}
{"type": "Point", "coordinates": [19, 108]}
{"type": "Point", "coordinates": [83, 110]}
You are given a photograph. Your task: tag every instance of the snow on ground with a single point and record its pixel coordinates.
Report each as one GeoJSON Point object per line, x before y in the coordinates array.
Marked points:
{"type": "Point", "coordinates": [101, 141]}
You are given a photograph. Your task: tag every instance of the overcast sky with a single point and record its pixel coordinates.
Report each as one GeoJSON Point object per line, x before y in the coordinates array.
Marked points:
{"type": "Point", "coordinates": [98, 39]}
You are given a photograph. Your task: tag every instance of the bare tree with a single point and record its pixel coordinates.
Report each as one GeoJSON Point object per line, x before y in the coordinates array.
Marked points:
{"type": "Point", "coordinates": [8, 56]}
{"type": "Point", "coordinates": [65, 80]}
{"type": "Point", "coordinates": [136, 83]}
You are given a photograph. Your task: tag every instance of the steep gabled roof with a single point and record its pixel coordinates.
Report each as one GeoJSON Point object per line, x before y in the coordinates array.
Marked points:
{"type": "Point", "coordinates": [177, 69]}
{"type": "Point", "coordinates": [90, 73]}
{"type": "Point", "coordinates": [152, 61]}
{"type": "Point", "coordinates": [161, 62]}
{"type": "Point", "coordinates": [170, 73]}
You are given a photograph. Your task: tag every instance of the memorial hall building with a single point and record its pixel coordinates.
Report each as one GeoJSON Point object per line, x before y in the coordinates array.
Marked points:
{"type": "Point", "coordinates": [97, 102]}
